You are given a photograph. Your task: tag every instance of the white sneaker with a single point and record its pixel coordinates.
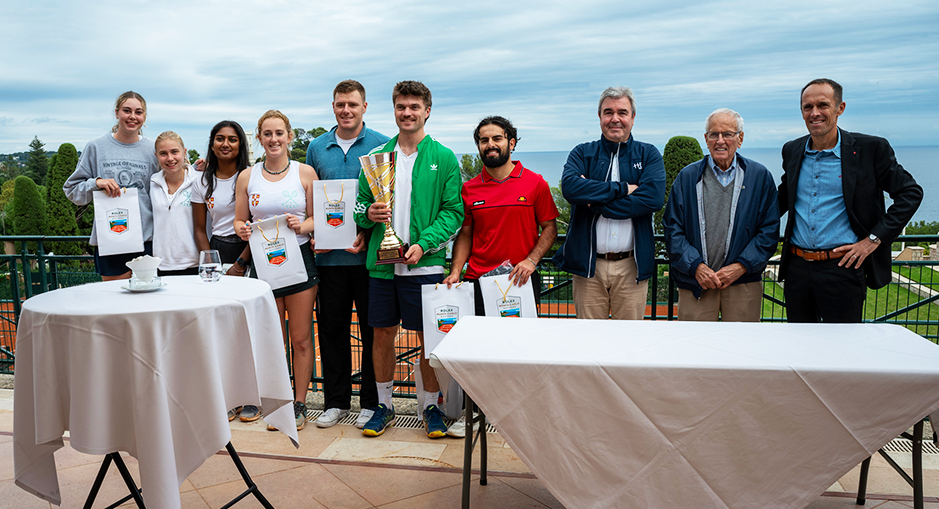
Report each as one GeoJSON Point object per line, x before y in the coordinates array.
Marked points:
{"type": "Point", "coordinates": [364, 417]}
{"type": "Point", "coordinates": [458, 428]}
{"type": "Point", "coordinates": [331, 417]}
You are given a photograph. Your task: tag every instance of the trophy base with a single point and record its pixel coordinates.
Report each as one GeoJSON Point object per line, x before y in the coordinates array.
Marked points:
{"type": "Point", "coordinates": [389, 256]}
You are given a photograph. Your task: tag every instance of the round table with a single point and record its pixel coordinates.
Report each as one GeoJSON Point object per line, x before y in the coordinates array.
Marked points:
{"type": "Point", "coordinates": [152, 374]}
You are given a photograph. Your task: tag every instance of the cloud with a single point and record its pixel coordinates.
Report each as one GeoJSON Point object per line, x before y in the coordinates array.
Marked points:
{"type": "Point", "coordinates": [542, 64]}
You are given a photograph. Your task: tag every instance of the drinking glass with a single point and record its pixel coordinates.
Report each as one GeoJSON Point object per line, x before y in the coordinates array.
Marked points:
{"type": "Point", "coordinates": [210, 266]}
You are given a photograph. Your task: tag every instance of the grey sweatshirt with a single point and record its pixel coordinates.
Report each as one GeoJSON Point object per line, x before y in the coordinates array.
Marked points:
{"type": "Point", "coordinates": [129, 164]}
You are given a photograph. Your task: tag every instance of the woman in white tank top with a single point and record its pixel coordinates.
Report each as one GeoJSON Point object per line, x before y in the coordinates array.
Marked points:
{"type": "Point", "coordinates": [281, 186]}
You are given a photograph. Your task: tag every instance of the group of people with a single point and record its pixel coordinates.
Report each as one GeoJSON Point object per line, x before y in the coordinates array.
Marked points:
{"type": "Point", "coordinates": [721, 223]}
{"type": "Point", "coordinates": [723, 214]}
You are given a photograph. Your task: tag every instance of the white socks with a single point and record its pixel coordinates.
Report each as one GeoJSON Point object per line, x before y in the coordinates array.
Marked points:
{"type": "Point", "coordinates": [385, 390]}
{"type": "Point", "coordinates": [430, 398]}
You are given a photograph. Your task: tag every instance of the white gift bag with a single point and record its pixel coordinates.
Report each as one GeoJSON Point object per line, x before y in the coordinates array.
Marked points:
{"type": "Point", "coordinates": [117, 223]}
{"type": "Point", "coordinates": [502, 298]}
{"type": "Point", "coordinates": [441, 307]}
{"type": "Point", "coordinates": [276, 254]}
{"type": "Point", "coordinates": [333, 200]}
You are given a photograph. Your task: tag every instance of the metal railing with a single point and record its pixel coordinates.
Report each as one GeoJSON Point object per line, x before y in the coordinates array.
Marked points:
{"type": "Point", "coordinates": [909, 300]}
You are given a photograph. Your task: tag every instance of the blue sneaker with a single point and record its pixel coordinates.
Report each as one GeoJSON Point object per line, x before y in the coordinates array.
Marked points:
{"type": "Point", "coordinates": [433, 421]}
{"type": "Point", "coordinates": [381, 419]}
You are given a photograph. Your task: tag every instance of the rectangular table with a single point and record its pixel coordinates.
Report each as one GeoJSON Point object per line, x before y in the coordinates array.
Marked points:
{"type": "Point", "coordinates": [152, 374]}
{"type": "Point", "coordinates": [682, 414]}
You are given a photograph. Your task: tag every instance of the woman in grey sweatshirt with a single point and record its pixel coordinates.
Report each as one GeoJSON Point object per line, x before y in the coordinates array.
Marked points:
{"type": "Point", "coordinates": [121, 158]}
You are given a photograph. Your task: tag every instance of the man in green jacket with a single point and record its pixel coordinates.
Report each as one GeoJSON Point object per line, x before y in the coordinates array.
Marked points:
{"type": "Point", "coordinates": [426, 215]}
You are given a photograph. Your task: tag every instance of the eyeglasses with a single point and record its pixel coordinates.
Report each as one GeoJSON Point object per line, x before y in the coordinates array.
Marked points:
{"type": "Point", "coordinates": [728, 135]}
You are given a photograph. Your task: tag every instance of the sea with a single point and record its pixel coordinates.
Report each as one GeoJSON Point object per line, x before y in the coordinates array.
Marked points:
{"type": "Point", "coordinates": [916, 160]}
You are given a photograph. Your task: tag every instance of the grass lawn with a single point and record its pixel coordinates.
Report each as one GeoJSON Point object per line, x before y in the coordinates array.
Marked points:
{"type": "Point", "coordinates": [879, 303]}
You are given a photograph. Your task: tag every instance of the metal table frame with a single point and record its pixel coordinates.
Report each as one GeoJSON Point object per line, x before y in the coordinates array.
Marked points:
{"type": "Point", "coordinates": [135, 492]}
{"type": "Point", "coordinates": [916, 482]}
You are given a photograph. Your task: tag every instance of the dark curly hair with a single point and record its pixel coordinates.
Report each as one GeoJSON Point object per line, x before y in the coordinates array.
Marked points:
{"type": "Point", "coordinates": [504, 123]}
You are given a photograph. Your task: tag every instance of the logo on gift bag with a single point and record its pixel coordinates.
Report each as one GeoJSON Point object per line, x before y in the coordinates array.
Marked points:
{"type": "Point", "coordinates": [276, 252]}
{"type": "Point", "coordinates": [255, 199]}
{"type": "Point", "coordinates": [446, 317]}
{"type": "Point", "coordinates": [510, 306]}
{"type": "Point", "coordinates": [117, 220]}
{"type": "Point", "coordinates": [335, 214]}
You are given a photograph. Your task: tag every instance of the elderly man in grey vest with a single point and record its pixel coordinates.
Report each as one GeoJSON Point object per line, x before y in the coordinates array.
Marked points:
{"type": "Point", "coordinates": [721, 227]}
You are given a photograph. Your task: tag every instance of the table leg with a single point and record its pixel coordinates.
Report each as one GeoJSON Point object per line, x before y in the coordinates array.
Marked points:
{"type": "Point", "coordinates": [467, 448]}
{"type": "Point", "coordinates": [483, 448]}
{"type": "Point", "coordinates": [916, 482]}
{"type": "Point", "coordinates": [252, 488]}
{"type": "Point", "coordinates": [862, 482]}
{"type": "Point", "coordinates": [128, 480]}
{"type": "Point", "coordinates": [125, 475]}
{"type": "Point", "coordinates": [918, 465]}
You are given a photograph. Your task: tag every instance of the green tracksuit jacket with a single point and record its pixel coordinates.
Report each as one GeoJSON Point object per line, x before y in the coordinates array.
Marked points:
{"type": "Point", "coordinates": [436, 206]}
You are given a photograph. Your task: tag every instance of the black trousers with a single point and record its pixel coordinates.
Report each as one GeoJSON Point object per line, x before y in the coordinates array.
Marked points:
{"type": "Point", "coordinates": [824, 292]}
{"type": "Point", "coordinates": [339, 287]}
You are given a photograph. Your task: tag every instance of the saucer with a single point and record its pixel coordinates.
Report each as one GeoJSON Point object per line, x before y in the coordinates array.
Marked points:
{"type": "Point", "coordinates": [144, 289]}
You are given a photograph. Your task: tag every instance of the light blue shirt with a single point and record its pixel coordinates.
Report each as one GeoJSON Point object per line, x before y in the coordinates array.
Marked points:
{"type": "Point", "coordinates": [724, 177]}
{"type": "Point", "coordinates": [821, 218]}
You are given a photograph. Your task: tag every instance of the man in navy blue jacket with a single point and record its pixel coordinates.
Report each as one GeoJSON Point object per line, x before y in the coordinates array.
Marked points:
{"type": "Point", "coordinates": [721, 227]}
{"type": "Point", "coordinates": [615, 185]}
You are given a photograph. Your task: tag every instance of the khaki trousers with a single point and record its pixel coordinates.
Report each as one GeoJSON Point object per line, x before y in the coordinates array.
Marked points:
{"type": "Point", "coordinates": [611, 291]}
{"type": "Point", "coordinates": [736, 303]}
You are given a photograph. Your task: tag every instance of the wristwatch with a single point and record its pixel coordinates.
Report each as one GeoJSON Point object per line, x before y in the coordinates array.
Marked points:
{"type": "Point", "coordinates": [873, 238]}
{"type": "Point", "coordinates": [244, 263]}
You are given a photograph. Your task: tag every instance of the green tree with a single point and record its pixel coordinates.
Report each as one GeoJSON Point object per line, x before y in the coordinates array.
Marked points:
{"type": "Point", "coordinates": [470, 166]}
{"type": "Point", "coordinates": [9, 169]}
{"type": "Point", "coordinates": [193, 155]}
{"type": "Point", "coordinates": [60, 211]}
{"type": "Point", "coordinates": [680, 151]}
{"type": "Point", "coordinates": [29, 212]}
{"type": "Point", "coordinates": [564, 208]}
{"type": "Point", "coordinates": [6, 194]}
{"type": "Point", "coordinates": [37, 165]}
{"type": "Point", "coordinates": [301, 141]}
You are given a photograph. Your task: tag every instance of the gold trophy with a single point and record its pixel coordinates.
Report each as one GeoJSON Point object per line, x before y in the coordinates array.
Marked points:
{"type": "Point", "coordinates": [379, 170]}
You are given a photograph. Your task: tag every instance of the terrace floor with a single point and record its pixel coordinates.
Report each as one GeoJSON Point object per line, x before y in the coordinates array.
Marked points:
{"type": "Point", "coordinates": [340, 468]}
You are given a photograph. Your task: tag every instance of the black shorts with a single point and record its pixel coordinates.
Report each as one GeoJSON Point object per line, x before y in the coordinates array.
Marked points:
{"type": "Point", "coordinates": [116, 265]}
{"type": "Point", "coordinates": [229, 247]}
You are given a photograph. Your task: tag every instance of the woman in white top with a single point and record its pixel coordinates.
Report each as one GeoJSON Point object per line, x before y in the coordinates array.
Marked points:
{"type": "Point", "coordinates": [214, 192]}
{"type": "Point", "coordinates": [281, 186]}
{"type": "Point", "coordinates": [120, 159]}
{"type": "Point", "coordinates": [170, 194]}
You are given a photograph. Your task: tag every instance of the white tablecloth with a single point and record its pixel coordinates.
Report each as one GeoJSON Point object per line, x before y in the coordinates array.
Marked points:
{"type": "Point", "coordinates": [681, 414]}
{"type": "Point", "coordinates": [152, 374]}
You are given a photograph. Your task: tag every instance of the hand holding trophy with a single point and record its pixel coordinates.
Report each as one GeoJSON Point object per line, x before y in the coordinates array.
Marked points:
{"type": "Point", "coordinates": [379, 170]}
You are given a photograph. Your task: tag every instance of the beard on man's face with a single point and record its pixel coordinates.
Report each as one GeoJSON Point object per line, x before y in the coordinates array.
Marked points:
{"type": "Point", "coordinates": [495, 160]}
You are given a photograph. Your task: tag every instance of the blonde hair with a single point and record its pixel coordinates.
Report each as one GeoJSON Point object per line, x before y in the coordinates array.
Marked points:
{"type": "Point", "coordinates": [168, 135]}
{"type": "Point", "coordinates": [121, 99]}
{"type": "Point", "coordinates": [269, 114]}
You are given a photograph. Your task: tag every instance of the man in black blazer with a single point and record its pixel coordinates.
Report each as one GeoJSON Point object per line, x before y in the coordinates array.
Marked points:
{"type": "Point", "coordinates": [838, 233]}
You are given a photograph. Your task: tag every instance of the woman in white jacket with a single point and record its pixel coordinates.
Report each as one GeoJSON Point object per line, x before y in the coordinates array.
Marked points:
{"type": "Point", "coordinates": [170, 195]}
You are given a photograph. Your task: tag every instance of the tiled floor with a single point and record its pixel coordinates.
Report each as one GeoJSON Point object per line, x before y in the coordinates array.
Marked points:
{"type": "Point", "coordinates": [339, 468]}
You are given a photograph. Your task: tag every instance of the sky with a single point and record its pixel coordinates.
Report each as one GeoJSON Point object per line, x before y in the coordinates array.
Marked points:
{"type": "Point", "coordinates": [541, 64]}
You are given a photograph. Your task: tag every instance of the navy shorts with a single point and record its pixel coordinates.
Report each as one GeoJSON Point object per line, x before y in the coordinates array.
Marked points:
{"type": "Point", "coordinates": [398, 300]}
{"type": "Point", "coordinates": [116, 265]}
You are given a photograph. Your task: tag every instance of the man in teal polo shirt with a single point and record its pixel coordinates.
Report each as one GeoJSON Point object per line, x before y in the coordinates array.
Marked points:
{"type": "Point", "coordinates": [343, 276]}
